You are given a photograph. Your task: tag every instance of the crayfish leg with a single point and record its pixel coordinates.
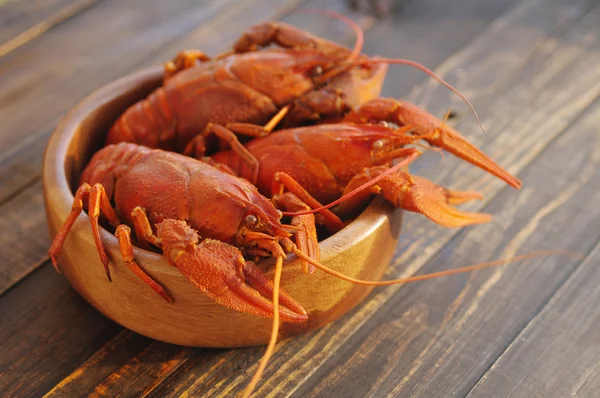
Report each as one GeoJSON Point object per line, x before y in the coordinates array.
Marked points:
{"type": "Point", "coordinates": [196, 146]}
{"type": "Point", "coordinates": [306, 238]}
{"type": "Point", "coordinates": [123, 233]}
{"type": "Point", "coordinates": [184, 60]}
{"type": "Point", "coordinates": [270, 32]}
{"type": "Point", "coordinates": [431, 129]}
{"type": "Point", "coordinates": [285, 181]}
{"type": "Point", "coordinates": [98, 201]}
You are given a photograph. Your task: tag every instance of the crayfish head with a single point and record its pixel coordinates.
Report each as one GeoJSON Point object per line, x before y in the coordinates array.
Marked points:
{"type": "Point", "coordinates": [260, 226]}
{"type": "Point", "coordinates": [324, 67]}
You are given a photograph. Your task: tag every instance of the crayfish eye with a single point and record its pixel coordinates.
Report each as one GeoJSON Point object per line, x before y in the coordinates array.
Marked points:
{"type": "Point", "coordinates": [379, 144]}
{"type": "Point", "coordinates": [316, 71]}
{"type": "Point", "coordinates": [251, 220]}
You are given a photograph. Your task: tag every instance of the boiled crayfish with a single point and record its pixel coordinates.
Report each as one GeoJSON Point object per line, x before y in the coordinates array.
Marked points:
{"type": "Point", "coordinates": [170, 200]}
{"type": "Point", "coordinates": [322, 163]}
{"type": "Point", "coordinates": [246, 86]}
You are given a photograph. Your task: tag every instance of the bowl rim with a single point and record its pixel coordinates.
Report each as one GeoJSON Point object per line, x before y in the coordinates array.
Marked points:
{"type": "Point", "coordinates": [375, 214]}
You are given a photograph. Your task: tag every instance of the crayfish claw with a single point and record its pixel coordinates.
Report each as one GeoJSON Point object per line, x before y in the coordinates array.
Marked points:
{"type": "Point", "coordinates": [420, 195]}
{"type": "Point", "coordinates": [214, 267]}
{"type": "Point", "coordinates": [289, 309]}
{"type": "Point", "coordinates": [430, 129]}
{"type": "Point", "coordinates": [458, 197]}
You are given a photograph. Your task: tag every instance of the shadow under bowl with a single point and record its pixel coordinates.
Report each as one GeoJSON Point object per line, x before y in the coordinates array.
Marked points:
{"type": "Point", "coordinates": [362, 250]}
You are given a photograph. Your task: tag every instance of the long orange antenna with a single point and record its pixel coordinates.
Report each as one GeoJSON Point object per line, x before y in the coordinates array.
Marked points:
{"type": "Point", "coordinates": [366, 185]}
{"type": "Point", "coordinates": [274, 331]}
{"type": "Point", "coordinates": [360, 34]}
{"type": "Point", "coordinates": [433, 275]}
{"type": "Point", "coordinates": [401, 61]}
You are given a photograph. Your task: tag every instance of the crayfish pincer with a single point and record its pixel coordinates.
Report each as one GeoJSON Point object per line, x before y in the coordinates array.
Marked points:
{"type": "Point", "coordinates": [201, 218]}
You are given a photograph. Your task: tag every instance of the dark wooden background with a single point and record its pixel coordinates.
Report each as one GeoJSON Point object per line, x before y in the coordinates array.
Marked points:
{"type": "Point", "coordinates": [532, 70]}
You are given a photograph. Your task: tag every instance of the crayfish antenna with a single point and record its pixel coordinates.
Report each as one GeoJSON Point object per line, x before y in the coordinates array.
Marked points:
{"type": "Point", "coordinates": [432, 74]}
{"type": "Point", "coordinates": [434, 275]}
{"type": "Point", "coordinates": [360, 34]}
{"type": "Point", "coordinates": [274, 331]}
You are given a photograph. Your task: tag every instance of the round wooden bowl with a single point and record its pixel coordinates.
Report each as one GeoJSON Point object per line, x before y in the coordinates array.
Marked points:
{"type": "Point", "coordinates": [363, 249]}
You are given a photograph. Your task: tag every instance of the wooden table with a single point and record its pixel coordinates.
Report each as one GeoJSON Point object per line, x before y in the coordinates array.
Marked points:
{"type": "Point", "coordinates": [532, 70]}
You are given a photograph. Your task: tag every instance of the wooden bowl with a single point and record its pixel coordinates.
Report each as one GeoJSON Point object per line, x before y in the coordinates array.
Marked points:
{"type": "Point", "coordinates": [363, 249]}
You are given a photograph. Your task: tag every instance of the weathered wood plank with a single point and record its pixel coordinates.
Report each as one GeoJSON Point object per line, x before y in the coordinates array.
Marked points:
{"type": "Point", "coordinates": [94, 369]}
{"type": "Point", "coordinates": [557, 355]}
{"type": "Point", "coordinates": [127, 364]}
{"type": "Point", "coordinates": [246, 357]}
{"type": "Point", "coordinates": [41, 342]}
{"type": "Point", "coordinates": [25, 243]}
{"type": "Point", "coordinates": [441, 54]}
{"type": "Point", "coordinates": [23, 21]}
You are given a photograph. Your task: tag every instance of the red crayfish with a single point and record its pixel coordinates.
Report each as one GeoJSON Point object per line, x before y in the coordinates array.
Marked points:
{"type": "Point", "coordinates": [246, 86]}
{"type": "Point", "coordinates": [169, 199]}
{"type": "Point", "coordinates": [322, 163]}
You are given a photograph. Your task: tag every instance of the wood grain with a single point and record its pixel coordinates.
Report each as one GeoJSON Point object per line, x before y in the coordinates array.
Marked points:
{"type": "Point", "coordinates": [42, 342]}
{"type": "Point", "coordinates": [557, 354]}
{"type": "Point", "coordinates": [23, 21]}
{"type": "Point", "coordinates": [127, 356]}
{"type": "Point", "coordinates": [25, 244]}
{"type": "Point", "coordinates": [202, 358]}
